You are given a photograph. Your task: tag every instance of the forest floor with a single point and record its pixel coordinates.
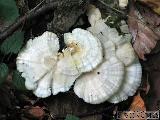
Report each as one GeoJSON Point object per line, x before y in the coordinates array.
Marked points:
{"type": "Point", "coordinates": [17, 103]}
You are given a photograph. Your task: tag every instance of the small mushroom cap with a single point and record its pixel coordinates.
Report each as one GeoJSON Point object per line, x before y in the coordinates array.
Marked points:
{"type": "Point", "coordinates": [130, 84]}
{"type": "Point", "coordinates": [98, 85]}
{"type": "Point", "coordinates": [99, 27]}
{"type": "Point", "coordinates": [123, 3]}
{"type": "Point", "coordinates": [126, 53]}
{"type": "Point", "coordinates": [38, 58]}
{"type": "Point", "coordinates": [83, 52]}
{"type": "Point", "coordinates": [109, 33]}
{"type": "Point", "coordinates": [93, 14]}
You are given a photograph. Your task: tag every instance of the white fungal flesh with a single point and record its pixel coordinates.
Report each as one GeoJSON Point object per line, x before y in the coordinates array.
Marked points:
{"type": "Point", "coordinates": [109, 49]}
{"type": "Point", "coordinates": [110, 34]}
{"type": "Point", "coordinates": [130, 84]}
{"type": "Point", "coordinates": [38, 57]}
{"type": "Point", "coordinates": [62, 82]}
{"type": "Point", "coordinates": [30, 85]}
{"type": "Point", "coordinates": [48, 72]}
{"type": "Point", "coordinates": [86, 50]}
{"type": "Point", "coordinates": [44, 86]}
{"type": "Point", "coordinates": [66, 64]}
{"type": "Point", "coordinates": [93, 14]}
{"type": "Point", "coordinates": [123, 3]}
{"type": "Point", "coordinates": [126, 54]}
{"type": "Point", "coordinates": [98, 85]}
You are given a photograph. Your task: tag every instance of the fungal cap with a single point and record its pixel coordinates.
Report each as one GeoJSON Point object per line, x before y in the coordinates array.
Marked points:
{"type": "Point", "coordinates": [98, 85]}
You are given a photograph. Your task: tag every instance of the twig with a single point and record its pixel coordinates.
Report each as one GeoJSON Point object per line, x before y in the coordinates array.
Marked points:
{"type": "Point", "coordinates": [121, 12]}
{"type": "Point", "coordinates": [32, 14]}
{"type": "Point", "coordinates": [102, 2]}
{"type": "Point", "coordinates": [37, 6]}
{"type": "Point", "coordinates": [82, 115]}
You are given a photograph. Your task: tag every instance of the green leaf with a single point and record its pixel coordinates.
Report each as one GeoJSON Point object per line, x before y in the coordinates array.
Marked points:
{"type": "Point", "coordinates": [3, 72]}
{"type": "Point", "coordinates": [13, 44]}
{"type": "Point", "coordinates": [8, 14]}
{"type": "Point", "coordinates": [18, 81]}
{"type": "Point", "coordinates": [8, 10]}
{"type": "Point", "coordinates": [71, 117]}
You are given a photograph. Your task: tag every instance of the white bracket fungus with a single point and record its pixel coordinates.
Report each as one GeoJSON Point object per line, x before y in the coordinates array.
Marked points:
{"type": "Point", "coordinates": [86, 50]}
{"type": "Point", "coordinates": [101, 61]}
{"type": "Point", "coordinates": [95, 88]}
{"type": "Point", "coordinates": [83, 54]}
{"type": "Point", "coordinates": [37, 59]}
{"type": "Point", "coordinates": [131, 81]}
{"type": "Point", "coordinates": [98, 85]}
{"type": "Point", "coordinates": [124, 52]}
{"type": "Point", "coordinates": [46, 70]}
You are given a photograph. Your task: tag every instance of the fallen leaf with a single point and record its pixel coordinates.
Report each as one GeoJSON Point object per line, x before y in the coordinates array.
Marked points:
{"type": "Point", "coordinates": [36, 112]}
{"type": "Point", "coordinates": [154, 4]}
{"type": "Point", "coordinates": [18, 81]}
{"type": "Point", "coordinates": [144, 39]}
{"type": "Point", "coordinates": [71, 117]}
{"type": "Point", "coordinates": [137, 104]}
{"type": "Point", "coordinates": [137, 107]}
{"type": "Point", "coordinates": [8, 14]}
{"type": "Point", "coordinates": [149, 15]}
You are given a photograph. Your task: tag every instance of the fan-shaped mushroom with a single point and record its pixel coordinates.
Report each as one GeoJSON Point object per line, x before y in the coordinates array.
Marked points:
{"type": "Point", "coordinates": [130, 84]}
{"type": "Point", "coordinates": [98, 85]}
{"type": "Point", "coordinates": [125, 51]}
{"type": "Point", "coordinates": [38, 58]}
{"type": "Point", "coordinates": [45, 69]}
{"type": "Point", "coordinates": [83, 52]}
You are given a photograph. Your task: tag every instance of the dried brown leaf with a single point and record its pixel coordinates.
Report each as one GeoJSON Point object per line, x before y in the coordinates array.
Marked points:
{"type": "Point", "coordinates": [154, 4]}
{"type": "Point", "coordinates": [36, 112]}
{"type": "Point", "coordinates": [137, 107]}
{"type": "Point", "coordinates": [137, 104]}
{"type": "Point", "coordinates": [144, 39]}
{"type": "Point", "coordinates": [149, 15]}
